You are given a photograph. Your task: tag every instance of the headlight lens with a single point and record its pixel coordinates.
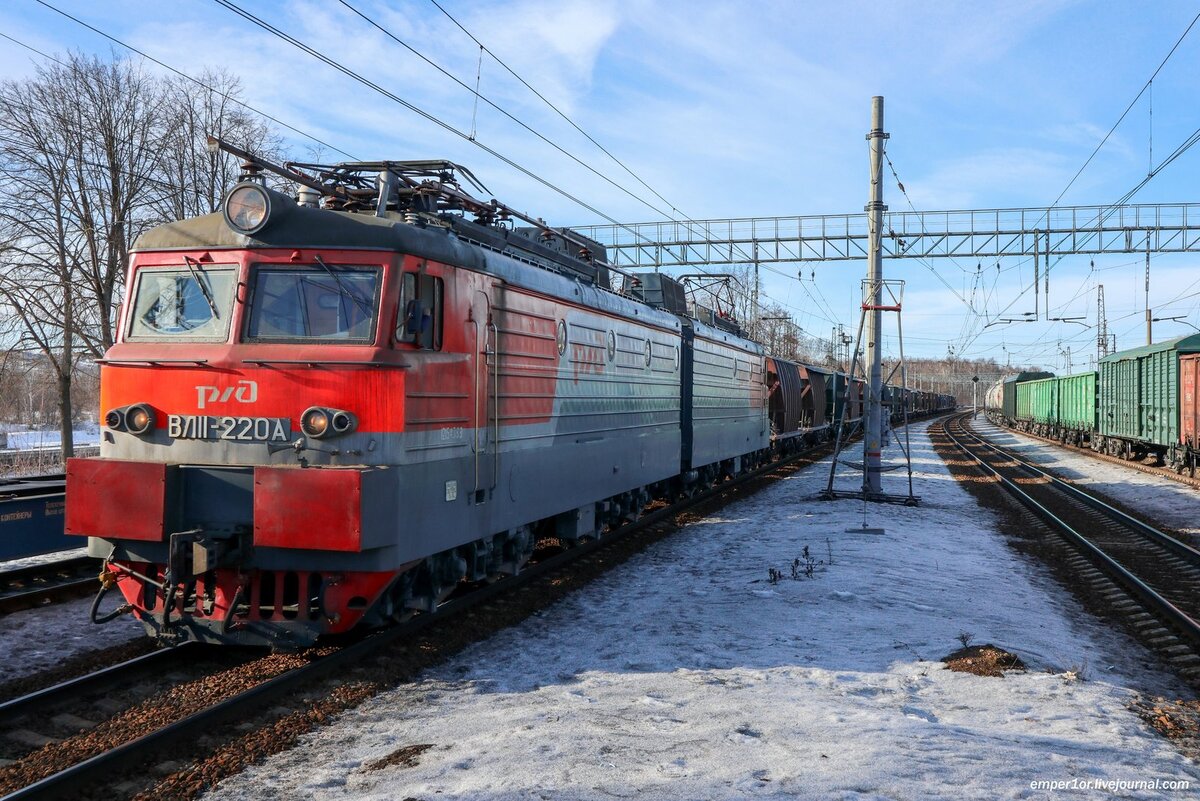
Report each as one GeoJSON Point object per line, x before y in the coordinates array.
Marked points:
{"type": "Point", "coordinates": [114, 419]}
{"type": "Point", "coordinates": [247, 207]}
{"type": "Point", "coordinates": [315, 422]}
{"type": "Point", "coordinates": [139, 419]}
{"type": "Point", "coordinates": [342, 422]}
{"type": "Point", "coordinates": [319, 422]}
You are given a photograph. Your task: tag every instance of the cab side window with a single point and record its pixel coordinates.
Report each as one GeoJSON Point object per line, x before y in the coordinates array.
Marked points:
{"type": "Point", "coordinates": [420, 318]}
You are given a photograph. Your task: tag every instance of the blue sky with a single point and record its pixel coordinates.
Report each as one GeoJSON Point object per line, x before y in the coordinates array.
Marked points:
{"type": "Point", "coordinates": [746, 109]}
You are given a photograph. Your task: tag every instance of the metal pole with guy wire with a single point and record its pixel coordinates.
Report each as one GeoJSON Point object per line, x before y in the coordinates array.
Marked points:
{"type": "Point", "coordinates": [871, 323]}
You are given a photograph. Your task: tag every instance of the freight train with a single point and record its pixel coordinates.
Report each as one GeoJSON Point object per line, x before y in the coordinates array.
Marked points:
{"type": "Point", "coordinates": [1140, 404]}
{"type": "Point", "coordinates": [329, 411]}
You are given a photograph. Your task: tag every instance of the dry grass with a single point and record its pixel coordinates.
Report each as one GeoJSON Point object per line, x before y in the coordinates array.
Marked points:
{"type": "Point", "coordinates": [407, 757]}
{"type": "Point", "coordinates": [983, 660]}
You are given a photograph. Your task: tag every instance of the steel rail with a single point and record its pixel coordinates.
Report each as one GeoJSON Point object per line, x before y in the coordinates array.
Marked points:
{"type": "Point", "coordinates": [47, 581]}
{"type": "Point", "coordinates": [1167, 611]}
{"type": "Point", "coordinates": [1161, 537]}
{"type": "Point", "coordinates": [89, 682]}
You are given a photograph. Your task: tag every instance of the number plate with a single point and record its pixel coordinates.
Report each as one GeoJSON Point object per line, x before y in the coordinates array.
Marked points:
{"type": "Point", "coordinates": [238, 429]}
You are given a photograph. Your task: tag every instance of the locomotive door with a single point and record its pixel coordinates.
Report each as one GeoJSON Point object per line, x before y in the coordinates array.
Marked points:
{"type": "Point", "coordinates": [486, 422]}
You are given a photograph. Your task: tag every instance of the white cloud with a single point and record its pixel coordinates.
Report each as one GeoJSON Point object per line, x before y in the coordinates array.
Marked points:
{"type": "Point", "coordinates": [997, 178]}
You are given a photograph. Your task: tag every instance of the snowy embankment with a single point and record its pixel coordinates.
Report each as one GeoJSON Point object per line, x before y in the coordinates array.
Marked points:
{"type": "Point", "coordinates": [33, 440]}
{"type": "Point", "coordinates": [1169, 502]}
{"type": "Point", "coordinates": [684, 674]}
{"type": "Point", "coordinates": [44, 559]}
{"type": "Point", "coordinates": [35, 640]}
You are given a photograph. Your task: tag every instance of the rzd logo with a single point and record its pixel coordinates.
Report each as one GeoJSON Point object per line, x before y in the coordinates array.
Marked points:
{"type": "Point", "coordinates": [245, 391]}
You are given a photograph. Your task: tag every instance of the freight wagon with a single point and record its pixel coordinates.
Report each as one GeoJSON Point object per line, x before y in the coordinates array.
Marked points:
{"type": "Point", "coordinates": [1189, 410]}
{"type": "Point", "coordinates": [796, 404]}
{"type": "Point", "coordinates": [847, 406]}
{"type": "Point", "coordinates": [1140, 401]}
{"type": "Point", "coordinates": [1141, 404]}
{"type": "Point", "coordinates": [1061, 407]}
{"type": "Point", "coordinates": [1007, 394]}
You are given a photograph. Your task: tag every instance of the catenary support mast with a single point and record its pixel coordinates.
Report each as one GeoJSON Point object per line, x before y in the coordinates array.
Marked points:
{"type": "Point", "coordinates": [873, 439]}
{"type": "Point", "coordinates": [878, 296]}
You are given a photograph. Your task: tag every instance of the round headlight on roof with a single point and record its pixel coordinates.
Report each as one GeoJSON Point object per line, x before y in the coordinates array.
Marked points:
{"type": "Point", "coordinates": [247, 208]}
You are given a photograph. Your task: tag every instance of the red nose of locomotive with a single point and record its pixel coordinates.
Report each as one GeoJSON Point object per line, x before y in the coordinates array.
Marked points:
{"type": "Point", "coordinates": [250, 407]}
{"type": "Point", "coordinates": [215, 487]}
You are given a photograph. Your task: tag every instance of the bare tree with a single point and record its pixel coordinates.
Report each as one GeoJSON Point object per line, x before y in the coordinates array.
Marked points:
{"type": "Point", "coordinates": [197, 176]}
{"type": "Point", "coordinates": [92, 153]}
{"type": "Point", "coordinates": [38, 230]}
{"type": "Point", "coordinates": [120, 138]}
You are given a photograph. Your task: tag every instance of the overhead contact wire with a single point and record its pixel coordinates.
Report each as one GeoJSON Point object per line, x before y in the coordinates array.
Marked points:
{"type": "Point", "coordinates": [196, 81]}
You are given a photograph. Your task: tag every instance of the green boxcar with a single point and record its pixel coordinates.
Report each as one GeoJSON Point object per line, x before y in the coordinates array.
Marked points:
{"type": "Point", "coordinates": [1139, 394]}
{"type": "Point", "coordinates": [1008, 406]}
{"type": "Point", "coordinates": [1077, 402]}
{"type": "Point", "coordinates": [1037, 401]}
{"type": "Point", "coordinates": [835, 396]}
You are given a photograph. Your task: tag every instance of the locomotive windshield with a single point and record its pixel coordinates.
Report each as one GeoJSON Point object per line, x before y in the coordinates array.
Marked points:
{"type": "Point", "coordinates": [188, 303]}
{"type": "Point", "coordinates": [321, 302]}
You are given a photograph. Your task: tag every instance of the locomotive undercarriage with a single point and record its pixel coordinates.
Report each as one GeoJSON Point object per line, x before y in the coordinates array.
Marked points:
{"type": "Point", "coordinates": [196, 587]}
{"type": "Point", "coordinates": [1068, 436]}
{"type": "Point", "coordinates": [425, 586]}
{"type": "Point", "coordinates": [1178, 458]}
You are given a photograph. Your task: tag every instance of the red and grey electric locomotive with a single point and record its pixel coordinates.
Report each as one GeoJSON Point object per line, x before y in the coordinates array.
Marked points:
{"type": "Point", "coordinates": [327, 411]}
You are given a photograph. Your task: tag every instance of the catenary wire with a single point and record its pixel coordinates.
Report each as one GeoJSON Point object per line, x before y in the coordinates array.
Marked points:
{"type": "Point", "coordinates": [689, 223]}
{"type": "Point", "coordinates": [196, 81]}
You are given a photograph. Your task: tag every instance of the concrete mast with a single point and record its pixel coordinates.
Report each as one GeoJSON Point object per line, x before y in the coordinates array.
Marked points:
{"type": "Point", "coordinates": [873, 438]}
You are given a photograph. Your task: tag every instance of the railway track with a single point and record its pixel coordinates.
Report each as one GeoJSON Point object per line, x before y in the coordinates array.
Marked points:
{"type": "Point", "coordinates": [82, 725]}
{"type": "Point", "coordinates": [1152, 470]}
{"type": "Point", "coordinates": [61, 766]}
{"type": "Point", "coordinates": [42, 458]}
{"type": "Point", "coordinates": [34, 585]}
{"type": "Point", "coordinates": [37, 703]}
{"type": "Point", "coordinates": [1143, 574]}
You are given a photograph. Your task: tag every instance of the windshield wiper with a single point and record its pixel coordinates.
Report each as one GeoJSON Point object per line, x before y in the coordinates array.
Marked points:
{"type": "Point", "coordinates": [200, 282]}
{"type": "Point", "coordinates": [342, 290]}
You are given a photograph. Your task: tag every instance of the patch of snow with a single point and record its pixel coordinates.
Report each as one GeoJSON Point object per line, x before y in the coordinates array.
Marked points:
{"type": "Point", "coordinates": [34, 440]}
{"type": "Point", "coordinates": [42, 638]}
{"type": "Point", "coordinates": [43, 558]}
{"type": "Point", "coordinates": [1169, 502]}
{"type": "Point", "coordinates": [829, 687]}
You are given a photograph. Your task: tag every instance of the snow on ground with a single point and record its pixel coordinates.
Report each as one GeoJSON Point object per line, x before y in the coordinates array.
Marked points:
{"type": "Point", "coordinates": [36, 639]}
{"type": "Point", "coordinates": [32, 440]}
{"type": "Point", "coordinates": [1169, 502]}
{"type": "Point", "coordinates": [684, 674]}
{"type": "Point", "coordinates": [43, 558]}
